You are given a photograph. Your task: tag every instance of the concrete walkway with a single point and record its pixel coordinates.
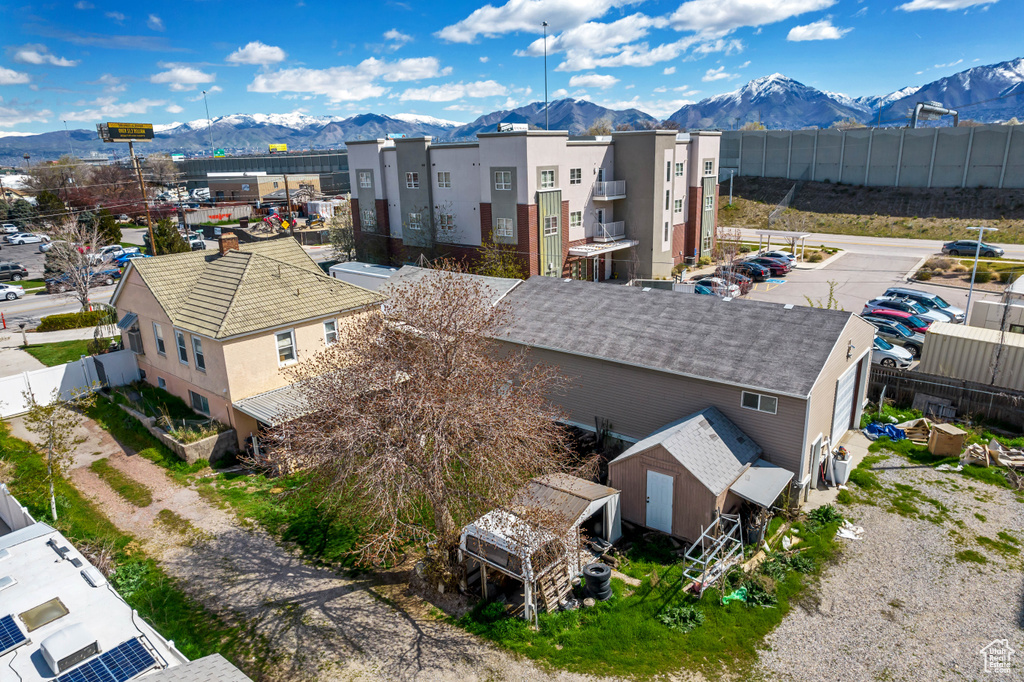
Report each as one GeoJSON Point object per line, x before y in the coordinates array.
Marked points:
{"type": "Point", "coordinates": [13, 360]}
{"type": "Point", "coordinates": [856, 443]}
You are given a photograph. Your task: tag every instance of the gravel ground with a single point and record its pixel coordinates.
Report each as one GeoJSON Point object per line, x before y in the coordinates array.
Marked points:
{"type": "Point", "coordinates": [898, 605]}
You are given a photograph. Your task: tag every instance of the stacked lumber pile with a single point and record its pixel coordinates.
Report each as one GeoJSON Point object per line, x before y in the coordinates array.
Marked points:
{"type": "Point", "coordinates": [917, 430]}
{"type": "Point", "coordinates": [995, 454]}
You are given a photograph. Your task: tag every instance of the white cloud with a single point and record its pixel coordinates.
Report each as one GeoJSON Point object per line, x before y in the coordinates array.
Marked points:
{"type": "Point", "coordinates": [668, 71]}
{"type": "Point", "coordinates": [944, 66]}
{"type": "Point", "coordinates": [595, 38]}
{"type": "Point", "coordinates": [640, 54]}
{"type": "Point", "coordinates": [82, 4]}
{"type": "Point", "coordinates": [39, 55]}
{"type": "Point", "coordinates": [209, 91]}
{"type": "Point", "coordinates": [915, 5]}
{"type": "Point", "coordinates": [526, 15]}
{"type": "Point", "coordinates": [686, 91]}
{"type": "Point", "coordinates": [182, 78]}
{"type": "Point", "coordinates": [484, 59]}
{"type": "Point", "coordinates": [349, 83]}
{"type": "Point", "coordinates": [718, 17]}
{"type": "Point", "coordinates": [155, 22]}
{"type": "Point", "coordinates": [110, 83]}
{"type": "Point", "coordinates": [12, 116]}
{"type": "Point", "coordinates": [744, 65]}
{"type": "Point", "coordinates": [174, 109]}
{"type": "Point", "coordinates": [717, 75]}
{"type": "Point", "coordinates": [559, 93]}
{"type": "Point", "coordinates": [108, 108]}
{"type": "Point", "coordinates": [449, 92]}
{"type": "Point", "coordinates": [397, 36]}
{"type": "Point", "coordinates": [257, 53]}
{"type": "Point", "coordinates": [593, 80]}
{"type": "Point", "coordinates": [818, 30]}
{"type": "Point", "coordinates": [660, 89]}
{"type": "Point", "coordinates": [116, 16]}
{"type": "Point", "coordinates": [11, 77]}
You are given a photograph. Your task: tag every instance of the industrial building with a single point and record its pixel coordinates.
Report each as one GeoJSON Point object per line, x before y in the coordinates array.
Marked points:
{"type": "Point", "coordinates": [257, 186]}
{"type": "Point", "coordinates": [331, 166]}
{"type": "Point", "coordinates": [626, 205]}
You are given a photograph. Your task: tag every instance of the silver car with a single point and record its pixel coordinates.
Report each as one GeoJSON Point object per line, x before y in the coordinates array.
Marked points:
{"type": "Point", "coordinates": [908, 306]}
{"type": "Point", "coordinates": [888, 355]}
{"type": "Point", "coordinates": [11, 291]}
{"type": "Point", "coordinates": [930, 301]}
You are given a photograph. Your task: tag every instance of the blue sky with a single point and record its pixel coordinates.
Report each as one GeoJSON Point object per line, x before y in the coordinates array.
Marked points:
{"type": "Point", "coordinates": [87, 61]}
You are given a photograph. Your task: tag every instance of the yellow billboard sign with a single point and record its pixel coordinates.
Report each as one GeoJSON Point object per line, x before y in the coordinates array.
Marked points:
{"type": "Point", "coordinates": [124, 132]}
{"type": "Point", "coordinates": [278, 148]}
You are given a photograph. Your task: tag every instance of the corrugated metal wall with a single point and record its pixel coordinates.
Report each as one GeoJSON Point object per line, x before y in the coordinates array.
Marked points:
{"type": "Point", "coordinates": [974, 354]}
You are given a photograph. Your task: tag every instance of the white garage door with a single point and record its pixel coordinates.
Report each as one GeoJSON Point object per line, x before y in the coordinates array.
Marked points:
{"type": "Point", "coordinates": [844, 404]}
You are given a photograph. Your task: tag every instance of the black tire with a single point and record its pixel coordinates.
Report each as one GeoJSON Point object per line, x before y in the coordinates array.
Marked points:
{"type": "Point", "coordinates": [597, 572]}
{"type": "Point", "coordinates": [990, 254]}
{"type": "Point", "coordinates": [108, 280]}
{"type": "Point", "coordinates": [954, 252]}
{"type": "Point", "coordinates": [16, 278]}
{"type": "Point", "coordinates": [914, 351]}
{"type": "Point", "coordinates": [11, 296]}
{"type": "Point", "coordinates": [888, 362]}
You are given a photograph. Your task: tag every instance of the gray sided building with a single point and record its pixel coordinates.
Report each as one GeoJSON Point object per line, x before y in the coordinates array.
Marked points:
{"type": "Point", "coordinates": [331, 166]}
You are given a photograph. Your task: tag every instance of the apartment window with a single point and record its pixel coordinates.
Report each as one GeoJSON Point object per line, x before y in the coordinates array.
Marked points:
{"type": "Point", "coordinates": [547, 179]}
{"type": "Point", "coordinates": [664, 235]}
{"type": "Point", "coordinates": [444, 179]}
{"type": "Point", "coordinates": [668, 171]}
{"type": "Point", "coordinates": [179, 338]}
{"type": "Point", "coordinates": [222, 193]}
{"type": "Point", "coordinates": [680, 170]}
{"type": "Point", "coordinates": [197, 353]}
{"type": "Point", "coordinates": [161, 383]}
{"type": "Point", "coordinates": [446, 221]}
{"type": "Point", "coordinates": [415, 221]}
{"type": "Point", "coordinates": [199, 402]}
{"type": "Point", "coordinates": [158, 334]}
{"type": "Point", "coordinates": [1017, 328]}
{"type": "Point", "coordinates": [761, 403]}
{"type": "Point", "coordinates": [502, 179]}
{"type": "Point", "coordinates": [365, 179]}
{"type": "Point", "coordinates": [678, 206]}
{"type": "Point", "coordinates": [331, 332]}
{"type": "Point", "coordinates": [285, 347]}
{"type": "Point", "coordinates": [550, 225]}
{"type": "Point", "coordinates": [369, 219]}
{"type": "Point", "coordinates": [709, 202]}
{"type": "Point", "coordinates": [503, 227]}
{"type": "Point", "coordinates": [576, 219]}
{"type": "Point", "coordinates": [575, 176]}
{"type": "Point", "coordinates": [668, 199]}
{"type": "Point", "coordinates": [709, 167]}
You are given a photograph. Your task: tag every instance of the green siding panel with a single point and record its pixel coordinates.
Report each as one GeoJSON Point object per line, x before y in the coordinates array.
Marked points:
{"type": "Point", "coordinates": [549, 205]}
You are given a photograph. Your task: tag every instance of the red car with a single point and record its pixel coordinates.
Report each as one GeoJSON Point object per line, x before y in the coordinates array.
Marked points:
{"type": "Point", "coordinates": [777, 266]}
{"type": "Point", "coordinates": [912, 322]}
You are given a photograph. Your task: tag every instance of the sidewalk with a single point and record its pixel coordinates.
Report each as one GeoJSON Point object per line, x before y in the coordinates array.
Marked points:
{"type": "Point", "coordinates": [856, 443]}
{"type": "Point", "coordinates": [84, 334]}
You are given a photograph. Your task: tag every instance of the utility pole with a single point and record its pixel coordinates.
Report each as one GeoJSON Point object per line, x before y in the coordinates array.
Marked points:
{"type": "Point", "coordinates": [977, 252]}
{"type": "Point", "coordinates": [209, 122]}
{"type": "Point", "coordinates": [288, 194]}
{"type": "Point", "coordinates": [67, 134]}
{"type": "Point", "coordinates": [546, 123]}
{"type": "Point", "coordinates": [732, 172]}
{"type": "Point", "coordinates": [142, 188]}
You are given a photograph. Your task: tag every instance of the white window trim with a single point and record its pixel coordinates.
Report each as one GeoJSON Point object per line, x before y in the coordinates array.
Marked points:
{"type": "Point", "coordinates": [573, 215]}
{"type": "Point", "coordinates": [412, 180]}
{"type": "Point", "coordinates": [680, 169]}
{"type": "Point", "coordinates": [677, 206]}
{"type": "Point", "coordinates": [198, 354]}
{"type": "Point", "coordinates": [544, 173]}
{"type": "Point", "coordinates": [759, 397]}
{"type": "Point", "coordinates": [575, 176]}
{"type": "Point", "coordinates": [554, 231]}
{"type": "Point", "coordinates": [158, 339]}
{"type": "Point", "coordinates": [501, 184]}
{"type": "Point", "coordinates": [504, 227]}
{"type": "Point", "coordinates": [328, 342]}
{"type": "Point", "coordinates": [709, 171]}
{"type": "Point", "coordinates": [365, 180]}
{"type": "Point", "coordinates": [446, 183]}
{"type": "Point", "coordinates": [277, 349]}
{"type": "Point", "coordinates": [416, 224]}
{"type": "Point", "coordinates": [180, 336]}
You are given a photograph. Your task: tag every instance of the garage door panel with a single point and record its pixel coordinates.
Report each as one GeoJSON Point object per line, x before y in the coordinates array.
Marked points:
{"type": "Point", "coordinates": [843, 411]}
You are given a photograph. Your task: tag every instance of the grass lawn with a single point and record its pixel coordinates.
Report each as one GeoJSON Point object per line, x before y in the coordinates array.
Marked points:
{"type": "Point", "coordinates": [155, 402]}
{"type": "Point", "coordinates": [30, 284]}
{"type": "Point", "coordinates": [626, 635]}
{"type": "Point", "coordinates": [128, 488]}
{"type": "Point", "coordinates": [60, 352]}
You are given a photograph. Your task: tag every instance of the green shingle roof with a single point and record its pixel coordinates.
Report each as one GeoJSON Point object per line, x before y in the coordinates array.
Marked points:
{"type": "Point", "coordinates": [259, 286]}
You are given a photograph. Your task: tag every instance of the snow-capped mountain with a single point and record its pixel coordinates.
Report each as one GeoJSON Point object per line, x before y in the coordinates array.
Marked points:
{"type": "Point", "coordinates": [428, 120]}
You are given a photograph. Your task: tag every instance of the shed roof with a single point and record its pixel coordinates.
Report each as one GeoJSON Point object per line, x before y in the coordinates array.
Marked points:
{"type": "Point", "coordinates": [762, 483]}
{"type": "Point", "coordinates": [707, 443]}
{"type": "Point", "coordinates": [495, 287]}
{"type": "Point", "coordinates": [752, 344]}
{"type": "Point", "coordinates": [275, 406]}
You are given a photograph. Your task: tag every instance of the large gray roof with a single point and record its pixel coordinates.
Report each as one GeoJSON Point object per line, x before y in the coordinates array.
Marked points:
{"type": "Point", "coordinates": [707, 443]}
{"type": "Point", "coordinates": [753, 344]}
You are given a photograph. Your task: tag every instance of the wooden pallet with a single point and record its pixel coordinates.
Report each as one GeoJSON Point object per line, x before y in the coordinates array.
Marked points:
{"type": "Point", "coordinates": [553, 587]}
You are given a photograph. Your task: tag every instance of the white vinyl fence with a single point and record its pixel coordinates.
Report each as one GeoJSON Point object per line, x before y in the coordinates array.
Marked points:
{"type": "Point", "coordinates": [111, 369]}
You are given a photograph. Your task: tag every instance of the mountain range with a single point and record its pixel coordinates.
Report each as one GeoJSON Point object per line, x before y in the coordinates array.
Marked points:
{"type": "Point", "coordinates": [990, 93]}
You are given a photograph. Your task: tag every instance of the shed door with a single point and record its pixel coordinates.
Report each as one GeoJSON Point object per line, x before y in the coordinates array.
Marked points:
{"type": "Point", "coordinates": [844, 404]}
{"type": "Point", "coordinates": [659, 501]}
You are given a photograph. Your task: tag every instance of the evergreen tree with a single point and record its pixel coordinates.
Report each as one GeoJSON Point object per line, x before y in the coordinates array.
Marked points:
{"type": "Point", "coordinates": [168, 239]}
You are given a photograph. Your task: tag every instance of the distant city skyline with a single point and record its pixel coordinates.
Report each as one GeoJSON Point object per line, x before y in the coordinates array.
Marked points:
{"type": "Point", "coordinates": [85, 64]}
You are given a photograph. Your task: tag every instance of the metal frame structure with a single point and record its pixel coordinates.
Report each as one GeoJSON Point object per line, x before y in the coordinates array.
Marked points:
{"type": "Point", "coordinates": [711, 555]}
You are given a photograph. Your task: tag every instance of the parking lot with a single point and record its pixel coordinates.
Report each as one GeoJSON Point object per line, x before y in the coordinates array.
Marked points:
{"type": "Point", "coordinates": [26, 254]}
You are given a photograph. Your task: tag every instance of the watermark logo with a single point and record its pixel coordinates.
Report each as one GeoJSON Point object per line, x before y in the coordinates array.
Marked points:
{"type": "Point", "coordinates": [997, 656]}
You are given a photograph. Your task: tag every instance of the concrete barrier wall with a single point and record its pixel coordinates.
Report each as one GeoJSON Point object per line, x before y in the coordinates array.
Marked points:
{"type": "Point", "coordinates": [983, 156]}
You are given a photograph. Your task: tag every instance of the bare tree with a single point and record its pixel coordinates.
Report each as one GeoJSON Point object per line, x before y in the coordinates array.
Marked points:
{"type": "Point", "coordinates": [342, 233]}
{"type": "Point", "coordinates": [161, 169]}
{"type": "Point", "coordinates": [422, 421]}
{"type": "Point", "coordinates": [601, 126]}
{"type": "Point", "coordinates": [848, 124]}
{"type": "Point", "coordinates": [72, 260]}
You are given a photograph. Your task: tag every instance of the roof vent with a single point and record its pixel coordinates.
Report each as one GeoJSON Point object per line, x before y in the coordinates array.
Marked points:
{"type": "Point", "coordinates": [646, 289]}
{"type": "Point", "coordinates": [567, 279]}
{"type": "Point", "coordinates": [4, 554]}
{"type": "Point", "coordinates": [93, 577]}
{"type": "Point", "coordinates": [68, 647]}
{"type": "Point", "coordinates": [7, 581]}
{"type": "Point", "coordinates": [788, 306]}
{"type": "Point", "coordinates": [727, 298]}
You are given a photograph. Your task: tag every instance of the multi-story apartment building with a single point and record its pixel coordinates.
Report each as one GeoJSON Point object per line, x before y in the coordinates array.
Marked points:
{"type": "Point", "coordinates": [629, 204]}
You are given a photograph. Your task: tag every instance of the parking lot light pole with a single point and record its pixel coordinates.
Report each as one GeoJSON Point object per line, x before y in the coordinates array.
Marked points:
{"type": "Point", "coordinates": [977, 252]}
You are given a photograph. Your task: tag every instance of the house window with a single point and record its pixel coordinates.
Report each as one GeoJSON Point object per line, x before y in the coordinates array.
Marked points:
{"type": "Point", "coordinates": [1017, 328]}
{"type": "Point", "coordinates": [677, 206]}
{"type": "Point", "coordinates": [415, 221]}
{"type": "Point", "coordinates": [575, 176]}
{"type": "Point", "coordinates": [161, 383]}
{"type": "Point", "coordinates": [158, 334]}
{"type": "Point", "coordinates": [197, 353]}
{"type": "Point", "coordinates": [199, 402]}
{"type": "Point", "coordinates": [761, 403]}
{"type": "Point", "coordinates": [412, 180]}
{"type": "Point", "coordinates": [179, 338]}
{"type": "Point", "coordinates": [680, 170]}
{"type": "Point", "coordinates": [365, 179]}
{"type": "Point", "coordinates": [502, 179]}
{"type": "Point", "coordinates": [446, 221]}
{"type": "Point", "coordinates": [331, 332]}
{"type": "Point", "coordinates": [503, 227]}
{"type": "Point", "coordinates": [285, 347]}
{"type": "Point", "coordinates": [709, 202]}
{"type": "Point", "coordinates": [576, 219]}
{"type": "Point", "coordinates": [547, 179]}
{"type": "Point", "coordinates": [222, 194]}
{"type": "Point", "coordinates": [369, 219]}
{"type": "Point", "coordinates": [444, 179]}
{"type": "Point", "coordinates": [664, 236]}
{"type": "Point", "coordinates": [709, 167]}
{"type": "Point", "coordinates": [668, 171]}
{"type": "Point", "coordinates": [550, 225]}
{"type": "Point", "coordinates": [668, 199]}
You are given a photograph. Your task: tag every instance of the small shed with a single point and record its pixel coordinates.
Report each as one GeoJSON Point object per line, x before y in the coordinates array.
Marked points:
{"type": "Point", "coordinates": [683, 476]}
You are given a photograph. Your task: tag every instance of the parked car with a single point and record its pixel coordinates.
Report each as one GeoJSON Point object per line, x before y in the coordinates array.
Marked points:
{"type": "Point", "coordinates": [11, 291]}
{"type": "Point", "coordinates": [111, 252]}
{"type": "Point", "coordinates": [13, 272]}
{"type": "Point", "coordinates": [908, 306]}
{"type": "Point", "coordinates": [27, 238]}
{"type": "Point", "coordinates": [969, 247]}
{"type": "Point", "coordinates": [784, 255]}
{"type": "Point", "coordinates": [777, 266]}
{"type": "Point", "coordinates": [739, 279]}
{"type": "Point", "coordinates": [930, 301]}
{"type": "Point", "coordinates": [908, 320]}
{"type": "Point", "coordinates": [720, 286]}
{"type": "Point", "coordinates": [123, 259]}
{"type": "Point", "coordinates": [62, 283]}
{"type": "Point", "coordinates": [897, 333]}
{"type": "Point", "coordinates": [888, 355]}
{"type": "Point", "coordinates": [196, 242]}
{"type": "Point", "coordinates": [756, 272]}
{"type": "Point", "coordinates": [701, 289]}
{"type": "Point", "coordinates": [9, 228]}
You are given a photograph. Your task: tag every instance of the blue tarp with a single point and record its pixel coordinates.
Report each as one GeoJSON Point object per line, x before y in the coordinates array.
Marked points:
{"type": "Point", "coordinates": [876, 430]}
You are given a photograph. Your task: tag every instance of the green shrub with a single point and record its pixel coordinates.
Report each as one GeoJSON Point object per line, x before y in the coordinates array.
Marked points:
{"type": "Point", "coordinates": [924, 275]}
{"type": "Point", "coordinates": [983, 277]}
{"type": "Point", "coordinates": [802, 563]}
{"type": "Point", "coordinates": [826, 514]}
{"type": "Point", "coordinates": [684, 617]}
{"type": "Point", "coordinates": [758, 594]}
{"type": "Point", "coordinates": [745, 249]}
{"type": "Point", "coordinates": [939, 263]}
{"type": "Point", "coordinates": [704, 260]}
{"type": "Point", "coordinates": [89, 318]}
{"type": "Point", "coordinates": [815, 257]}
{"type": "Point", "coordinates": [678, 268]}
{"type": "Point", "coordinates": [1008, 277]}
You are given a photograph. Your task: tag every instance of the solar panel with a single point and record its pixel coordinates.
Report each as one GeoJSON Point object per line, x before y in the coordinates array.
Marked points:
{"type": "Point", "coordinates": [11, 636]}
{"type": "Point", "coordinates": [122, 663]}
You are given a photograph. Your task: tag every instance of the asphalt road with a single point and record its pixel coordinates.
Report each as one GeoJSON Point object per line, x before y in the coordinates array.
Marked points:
{"type": "Point", "coordinates": [885, 245]}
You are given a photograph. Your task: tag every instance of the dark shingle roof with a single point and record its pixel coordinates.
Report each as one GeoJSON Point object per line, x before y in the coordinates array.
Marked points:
{"type": "Point", "coordinates": [212, 668]}
{"type": "Point", "coordinates": [745, 343]}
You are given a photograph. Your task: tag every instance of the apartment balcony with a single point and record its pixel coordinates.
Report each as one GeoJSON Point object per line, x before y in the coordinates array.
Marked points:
{"type": "Point", "coordinates": [610, 232]}
{"type": "Point", "coordinates": [610, 190]}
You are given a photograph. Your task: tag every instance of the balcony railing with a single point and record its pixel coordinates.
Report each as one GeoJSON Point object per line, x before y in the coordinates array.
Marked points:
{"type": "Point", "coordinates": [610, 189]}
{"type": "Point", "coordinates": [610, 232]}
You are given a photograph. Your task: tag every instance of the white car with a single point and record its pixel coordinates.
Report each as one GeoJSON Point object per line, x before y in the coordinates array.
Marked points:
{"type": "Point", "coordinates": [108, 253]}
{"type": "Point", "coordinates": [720, 286]}
{"type": "Point", "coordinates": [8, 228]}
{"type": "Point", "coordinates": [27, 238]}
{"type": "Point", "coordinates": [11, 291]}
{"type": "Point", "coordinates": [888, 355]}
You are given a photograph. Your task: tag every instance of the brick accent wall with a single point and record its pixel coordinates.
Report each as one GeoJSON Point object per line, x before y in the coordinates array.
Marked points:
{"type": "Point", "coordinates": [529, 237]}
{"type": "Point", "coordinates": [486, 224]}
{"type": "Point", "coordinates": [357, 218]}
{"type": "Point", "coordinates": [678, 242]}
